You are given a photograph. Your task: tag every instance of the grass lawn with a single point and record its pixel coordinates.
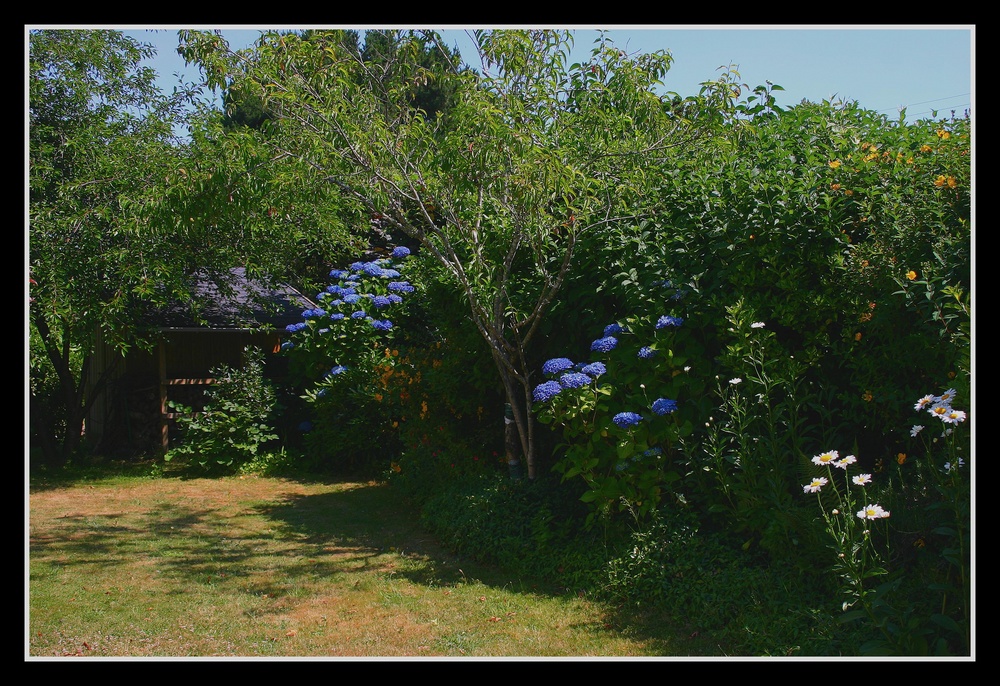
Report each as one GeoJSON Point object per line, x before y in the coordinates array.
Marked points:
{"type": "Point", "coordinates": [249, 566]}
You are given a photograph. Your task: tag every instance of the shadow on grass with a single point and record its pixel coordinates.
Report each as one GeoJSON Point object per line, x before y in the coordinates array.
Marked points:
{"type": "Point", "coordinates": [371, 520]}
{"type": "Point", "coordinates": [277, 543]}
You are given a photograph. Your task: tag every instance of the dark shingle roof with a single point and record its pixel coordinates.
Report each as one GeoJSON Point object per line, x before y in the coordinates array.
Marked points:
{"type": "Point", "coordinates": [250, 304]}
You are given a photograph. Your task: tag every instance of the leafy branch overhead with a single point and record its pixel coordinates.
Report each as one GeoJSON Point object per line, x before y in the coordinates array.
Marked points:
{"type": "Point", "coordinates": [498, 186]}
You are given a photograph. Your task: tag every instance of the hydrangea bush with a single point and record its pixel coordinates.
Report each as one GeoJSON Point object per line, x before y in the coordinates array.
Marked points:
{"type": "Point", "coordinates": [340, 354]}
{"type": "Point", "coordinates": [621, 413]}
{"type": "Point", "coordinates": [353, 317]}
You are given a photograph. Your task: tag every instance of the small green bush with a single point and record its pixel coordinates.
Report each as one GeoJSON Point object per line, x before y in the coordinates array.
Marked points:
{"type": "Point", "coordinates": [235, 423]}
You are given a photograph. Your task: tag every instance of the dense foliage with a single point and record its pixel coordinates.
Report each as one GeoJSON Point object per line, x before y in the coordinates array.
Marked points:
{"type": "Point", "coordinates": [750, 354]}
{"type": "Point", "coordinates": [234, 425]}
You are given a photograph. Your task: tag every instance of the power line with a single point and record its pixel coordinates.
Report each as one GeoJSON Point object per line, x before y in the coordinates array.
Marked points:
{"type": "Point", "coordinates": [960, 95]}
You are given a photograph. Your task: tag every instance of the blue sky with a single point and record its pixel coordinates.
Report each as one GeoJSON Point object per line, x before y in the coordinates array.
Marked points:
{"type": "Point", "coordinates": [883, 67]}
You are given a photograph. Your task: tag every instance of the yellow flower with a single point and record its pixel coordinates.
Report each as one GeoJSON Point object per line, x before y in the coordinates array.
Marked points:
{"type": "Point", "coordinates": [848, 192]}
{"type": "Point", "coordinates": [867, 397]}
{"type": "Point", "coordinates": [940, 181]}
{"type": "Point", "coordinates": [943, 135]}
{"type": "Point", "coordinates": [952, 182]}
{"type": "Point", "coordinates": [925, 148]}
{"type": "Point", "coordinates": [911, 275]}
{"type": "Point", "coordinates": [834, 164]}
{"type": "Point", "coordinates": [857, 336]}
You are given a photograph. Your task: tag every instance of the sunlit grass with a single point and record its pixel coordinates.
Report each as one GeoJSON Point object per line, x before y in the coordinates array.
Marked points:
{"type": "Point", "coordinates": [248, 566]}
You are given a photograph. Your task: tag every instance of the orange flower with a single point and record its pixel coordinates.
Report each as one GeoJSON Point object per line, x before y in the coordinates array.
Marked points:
{"type": "Point", "coordinates": [867, 397]}
{"type": "Point", "coordinates": [835, 186]}
{"type": "Point", "coordinates": [925, 148]}
{"type": "Point", "coordinates": [857, 336]}
{"type": "Point", "coordinates": [911, 275]}
{"type": "Point", "coordinates": [901, 458]}
{"type": "Point", "coordinates": [834, 164]}
{"type": "Point", "coordinates": [952, 182]}
{"type": "Point", "coordinates": [940, 181]}
{"type": "Point", "coordinates": [943, 135]}
{"type": "Point", "coordinates": [848, 192]}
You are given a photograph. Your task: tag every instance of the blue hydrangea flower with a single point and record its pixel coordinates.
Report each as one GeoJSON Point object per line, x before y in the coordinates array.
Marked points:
{"type": "Point", "coordinates": [371, 269]}
{"type": "Point", "coordinates": [309, 314]}
{"type": "Point", "coordinates": [556, 365]}
{"type": "Point", "coordinates": [401, 251]}
{"type": "Point", "coordinates": [667, 320]}
{"type": "Point", "coordinates": [336, 315]}
{"type": "Point", "coordinates": [381, 324]}
{"type": "Point", "coordinates": [612, 329]}
{"type": "Point", "coordinates": [351, 298]}
{"type": "Point", "coordinates": [324, 330]}
{"type": "Point", "coordinates": [545, 392]}
{"type": "Point", "coordinates": [393, 298]}
{"type": "Point", "coordinates": [360, 314]}
{"type": "Point", "coordinates": [605, 344]}
{"type": "Point", "coordinates": [339, 274]}
{"type": "Point", "coordinates": [357, 266]}
{"type": "Point", "coordinates": [339, 369]}
{"type": "Point", "coordinates": [646, 352]}
{"type": "Point", "coordinates": [381, 301]}
{"type": "Point", "coordinates": [662, 406]}
{"type": "Point", "coordinates": [594, 369]}
{"type": "Point", "coordinates": [298, 326]}
{"type": "Point", "coordinates": [401, 286]}
{"type": "Point", "coordinates": [574, 380]}
{"type": "Point", "coordinates": [287, 345]}
{"type": "Point", "coordinates": [389, 274]}
{"type": "Point", "coordinates": [654, 451]}
{"type": "Point", "coordinates": [626, 419]}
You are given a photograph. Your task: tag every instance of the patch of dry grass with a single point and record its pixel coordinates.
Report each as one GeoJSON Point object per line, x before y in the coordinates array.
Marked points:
{"type": "Point", "coordinates": [251, 566]}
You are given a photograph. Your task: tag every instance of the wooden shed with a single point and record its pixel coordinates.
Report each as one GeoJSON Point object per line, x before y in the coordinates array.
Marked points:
{"type": "Point", "coordinates": [132, 416]}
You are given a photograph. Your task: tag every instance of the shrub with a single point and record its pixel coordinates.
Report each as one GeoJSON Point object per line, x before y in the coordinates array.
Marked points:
{"type": "Point", "coordinates": [235, 423]}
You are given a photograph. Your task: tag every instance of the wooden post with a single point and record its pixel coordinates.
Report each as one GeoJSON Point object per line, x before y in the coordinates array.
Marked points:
{"type": "Point", "coordinates": [164, 438]}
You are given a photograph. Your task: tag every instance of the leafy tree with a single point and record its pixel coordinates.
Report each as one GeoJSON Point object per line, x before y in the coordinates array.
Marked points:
{"type": "Point", "coordinates": [124, 215]}
{"type": "Point", "coordinates": [98, 130]}
{"type": "Point", "coordinates": [535, 152]}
